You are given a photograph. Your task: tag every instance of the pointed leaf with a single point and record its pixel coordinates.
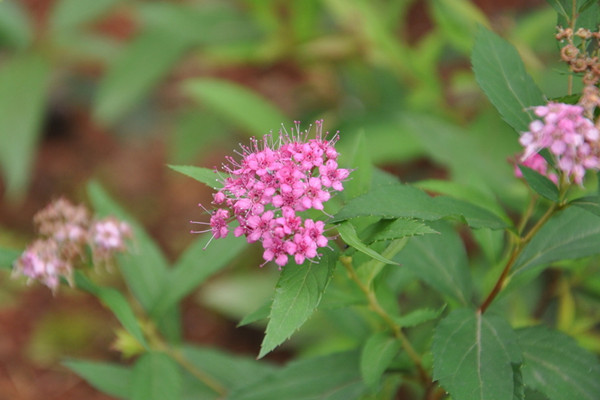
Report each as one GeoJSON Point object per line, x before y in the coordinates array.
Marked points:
{"type": "Point", "coordinates": [377, 354]}
{"type": "Point", "coordinates": [541, 184]}
{"type": "Point", "coordinates": [259, 314]}
{"type": "Point", "coordinates": [500, 73]}
{"type": "Point", "coordinates": [207, 176]}
{"type": "Point", "coordinates": [155, 377]}
{"type": "Point", "coordinates": [403, 227]}
{"type": "Point", "coordinates": [589, 203]}
{"type": "Point", "coordinates": [112, 379]}
{"type": "Point", "coordinates": [349, 235]}
{"type": "Point", "coordinates": [555, 365]}
{"type": "Point", "coordinates": [297, 295]}
{"type": "Point", "coordinates": [241, 106]}
{"type": "Point", "coordinates": [418, 317]}
{"type": "Point", "coordinates": [473, 356]}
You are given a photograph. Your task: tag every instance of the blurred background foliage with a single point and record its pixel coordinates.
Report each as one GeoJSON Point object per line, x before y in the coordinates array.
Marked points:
{"type": "Point", "coordinates": [116, 89]}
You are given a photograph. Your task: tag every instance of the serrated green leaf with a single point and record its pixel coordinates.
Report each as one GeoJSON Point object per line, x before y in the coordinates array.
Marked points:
{"type": "Point", "coordinates": [196, 264]}
{"type": "Point", "coordinates": [15, 28]}
{"type": "Point", "coordinates": [140, 67]}
{"type": "Point", "coordinates": [405, 201]}
{"type": "Point", "coordinates": [116, 302]}
{"type": "Point", "coordinates": [539, 183]}
{"type": "Point", "coordinates": [349, 235]}
{"type": "Point", "coordinates": [204, 175]}
{"type": "Point", "coordinates": [112, 379]}
{"type": "Point", "coordinates": [403, 227]}
{"type": "Point", "coordinates": [297, 295]}
{"type": "Point", "coordinates": [25, 77]}
{"type": "Point", "coordinates": [70, 14]}
{"type": "Point", "coordinates": [332, 377]}
{"type": "Point", "coordinates": [555, 365]}
{"type": "Point", "coordinates": [377, 354]}
{"type": "Point", "coordinates": [8, 257]}
{"type": "Point", "coordinates": [145, 266]}
{"type": "Point", "coordinates": [244, 108]}
{"type": "Point", "coordinates": [259, 314]}
{"type": "Point", "coordinates": [518, 386]}
{"type": "Point", "coordinates": [155, 376]}
{"type": "Point", "coordinates": [500, 73]}
{"type": "Point", "coordinates": [418, 317]}
{"type": "Point", "coordinates": [588, 203]}
{"type": "Point", "coordinates": [572, 233]}
{"type": "Point", "coordinates": [441, 262]}
{"type": "Point", "coordinates": [473, 356]}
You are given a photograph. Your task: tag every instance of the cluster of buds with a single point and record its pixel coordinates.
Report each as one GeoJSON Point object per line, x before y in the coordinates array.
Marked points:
{"type": "Point", "coordinates": [571, 138]}
{"type": "Point", "coordinates": [276, 180]}
{"type": "Point", "coordinates": [66, 231]}
{"type": "Point", "coordinates": [578, 56]}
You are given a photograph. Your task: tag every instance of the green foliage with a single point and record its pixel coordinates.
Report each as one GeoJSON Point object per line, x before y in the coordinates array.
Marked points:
{"type": "Point", "coordinates": [68, 15]}
{"type": "Point", "coordinates": [204, 175]}
{"type": "Point", "coordinates": [15, 27]}
{"type": "Point", "coordinates": [113, 379]}
{"type": "Point", "coordinates": [538, 182]}
{"type": "Point", "coordinates": [377, 354]}
{"type": "Point", "coordinates": [458, 20]}
{"type": "Point", "coordinates": [349, 235]}
{"type": "Point", "coordinates": [155, 376]}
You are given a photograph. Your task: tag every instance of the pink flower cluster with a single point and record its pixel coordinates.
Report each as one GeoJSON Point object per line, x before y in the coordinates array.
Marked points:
{"type": "Point", "coordinates": [65, 231]}
{"type": "Point", "coordinates": [568, 135]}
{"type": "Point", "coordinates": [273, 182]}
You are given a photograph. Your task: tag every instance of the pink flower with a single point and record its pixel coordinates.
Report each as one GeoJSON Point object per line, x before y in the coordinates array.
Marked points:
{"type": "Point", "coordinates": [539, 164]}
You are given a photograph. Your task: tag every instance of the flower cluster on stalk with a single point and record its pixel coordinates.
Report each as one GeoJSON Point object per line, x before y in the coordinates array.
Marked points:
{"type": "Point", "coordinates": [571, 138]}
{"type": "Point", "coordinates": [266, 191]}
{"type": "Point", "coordinates": [66, 232]}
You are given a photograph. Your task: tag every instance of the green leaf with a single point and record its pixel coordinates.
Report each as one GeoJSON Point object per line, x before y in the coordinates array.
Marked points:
{"type": "Point", "coordinates": [404, 201]}
{"type": "Point", "coordinates": [297, 295]}
{"type": "Point", "coordinates": [15, 28]}
{"type": "Point", "coordinates": [196, 265]}
{"type": "Point", "coordinates": [8, 257]}
{"type": "Point", "coordinates": [140, 67]}
{"type": "Point", "coordinates": [572, 233]}
{"type": "Point", "coordinates": [68, 15]}
{"type": "Point", "coordinates": [418, 317]}
{"type": "Point", "coordinates": [332, 377]}
{"type": "Point", "coordinates": [145, 266]}
{"type": "Point", "coordinates": [237, 104]}
{"type": "Point", "coordinates": [116, 302]}
{"type": "Point", "coordinates": [403, 227]}
{"type": "Point", "coordinates": [539, 183]}
{"type": "Point", "coordinates": [501, 74]}
{"type": "Point", "coordinates": [24, 82]}
{"type": "Point", "coordinates": [441, 262]}
{"type": "Point", "coordinates": [155, 377]}
{"type": "Point", "coordinates": [362, 175]}
{"type": "Point", "coordinates": [259, 314]}
{"type": "Point", "coordinates": [204, 175]}
{"type": "Point", "coordinates": [458, 20]}
{"type": "Point", "coordinates": [473, 356]}
{"type": "Point", "coordinates": [112, 379]}
{"type": "Point", "coordinates": [377, 354]}
{"type": "Point", "coordinates": [555, 365]}
{"type": "Point", "coordinates": [588, 203]}
{"type": "Point", "coordinates": [349, 235]}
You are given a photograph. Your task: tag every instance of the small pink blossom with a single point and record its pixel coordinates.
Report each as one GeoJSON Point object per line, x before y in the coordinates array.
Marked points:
{"type": "Point", "coordinates": [539, 164]}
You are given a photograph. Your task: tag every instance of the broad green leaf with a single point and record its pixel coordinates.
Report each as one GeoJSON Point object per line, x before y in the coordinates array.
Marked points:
{"type": "Point", "coordinates": [572, 233]}
{"type": "Point", "coordinates": [244, 108]}
{"type": "Point", "coordinates": [362, 175]}
{"type": "Point", "coordinates": [332, 377]}
{"type": "Point", "coordinates": [8, 257]}
{"type": "Point", "coordinates": [155, 376]}
{"type": "Point", "coordinates": [555, 365]}
{"type": "Point", "coordinates": [349, 235]}
{"type": "Point", "coordinates": [418, 317]}
{"type": "Point", "coordinates": [441, 262]}
{"type": "Point", "coordinates": [24, 82]}
{"type": "Point", "coordinates": [68, 15]}
{"type": "Point", "coordinates": [518, 386]}
{"type": "Point", "coordinates": [377, 354]}
{"type": "Point", "coordinates": [501, 74]}
{"type": "Point", "coordinates": [458, 20]}
{"type": "Point", "coordinates": [194, 134]}
{"type": "Point", "coordinates": [297, 295]}
{"type": "Point", "coordinates": [473, 356]}
{"type": "Point", "coordinates": [539, 183]}
{"type": "Point", "coordinates": [112, 379]}
{"type": "Point", "coordinates": [402, 227]}
{"type": "Point", "coordinates": [588, 203]}
{"type": "Point", "coordinates": [141, 66]}
{"type": "Point", "coordinates": [405, 201]}
{"type": "Point", "coordinates": [197, 264]}
{"type": "Point", "coordinates": [207, 176]}
{"type": "Point", "coordinates": [145, 266]}
{"type": "Point", "coordinates": [259, 314]}
{"type": "Point", "coordinates": [116, 302]}
{"type": "Point", "coordinates": [15, 28]}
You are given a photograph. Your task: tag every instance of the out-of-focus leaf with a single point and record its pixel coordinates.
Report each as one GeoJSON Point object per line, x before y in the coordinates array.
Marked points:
{"type": "Point", "coordinates": [332, 377]}
{"type": "Point", "coordinates": [418, 317]}
{"type": "Point", "coordinates": [142, 64]}
{"type": "Point", "coordinates": [244, 108]}
{"type": "Point", "coordinates": [8, 257]}
{"type": "Point", "coordinates": [112, 379]}
{"type": "Point", "coordinates": [195, 131]}
{"type": "Point", "coordinates": [377, 354]}
{"type": "Point", "coordinates": [204, 175]}
{"type": "Point", "coordinates": [458, 20]}
{"type": "Point", "coordinates": [87, 47]}
{"type": "Point", "coordinates": [155, 376]}
{"type": "Point", "coordinates": [15, 27]}
{"type": "Point", "coordinates": [70, 14]}
{"type": "Point", "coordinates": [588, 203]}
{"type": "Point", "coordinates": [501, 75]}
{"type": "Point", "coordinates": [145, 266]}
{"type": "Point", "coordinates": [23, 83]}
{"type": "Point", "coordinates": [348, 234]}
{"type": "Point", "coordinates": [363, 169]}
{"type": "Point", "coordinates": [403, 227]}
{"type": "Point", "coordinates": [297, 295]}
{"type": "Point", "coordinates": [473, 356]}
{"type": "Point", "coordinates": [259, 314]}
